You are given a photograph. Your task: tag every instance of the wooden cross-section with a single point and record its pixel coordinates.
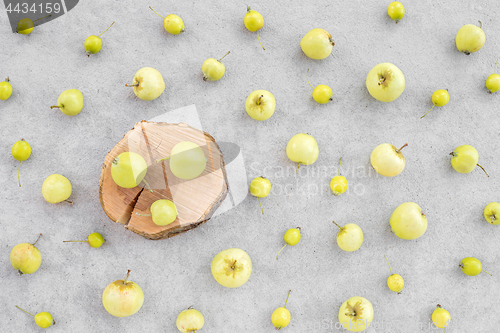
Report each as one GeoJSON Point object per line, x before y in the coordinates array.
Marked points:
{"type": "Point", "coordinates": [196, 199]}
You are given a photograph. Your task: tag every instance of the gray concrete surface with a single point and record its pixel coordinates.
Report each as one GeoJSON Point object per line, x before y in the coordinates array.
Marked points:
{"type": "Point", "coordinates": [175, 273]}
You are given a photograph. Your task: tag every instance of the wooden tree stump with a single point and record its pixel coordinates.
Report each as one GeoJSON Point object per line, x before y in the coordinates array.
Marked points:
{"type": "Point", "coordinates": [196, 199]}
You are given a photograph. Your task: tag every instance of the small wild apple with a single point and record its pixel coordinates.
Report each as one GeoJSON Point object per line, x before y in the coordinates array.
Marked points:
{"type": "Point", "coordinates": [260, 104]}
{"type": "Point", "coordinates": [356, 314]}
{"type": "Point", "coordinates": [317, 44]}
{"type": "Point", "coordinates": [26, 258]}
{"type": "Point", "coordinates": [190, 321]}
{"type": "Point", "coordinates": [56, 188]}
{"type": "Point", "coordinates": [492, 213]}
{"type": "Point", "coordinates": [388, 160]}
{"type": "Point", "coordinates": [349, 237]}
{"type": "Point", "coordinates": [147, 84]}
{"type": "Point", "coordinates": [385, 82]}
{"type": "Point", "coordinates": [231, 268]}
{"type": "Point", "coordinates": [470, 38]}
{"type": "Point", "coordinates": [302, 149]}
{"type": "Point", "coordinates": [70, 102]}
{"type": "Point", "coordinates": [128, 169]}
{"type": "Point", "coordinates": [122, 298]}
{"type": "Point", "coordinates": [408, 221]}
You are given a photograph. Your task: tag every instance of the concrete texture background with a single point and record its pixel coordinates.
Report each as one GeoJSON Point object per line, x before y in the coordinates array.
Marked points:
{"type": "Point", "coordinates": [175, 273]}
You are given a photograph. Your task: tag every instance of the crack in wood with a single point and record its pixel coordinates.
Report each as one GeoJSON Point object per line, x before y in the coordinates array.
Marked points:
{"type": "Point", "coordinates": [127, 213]}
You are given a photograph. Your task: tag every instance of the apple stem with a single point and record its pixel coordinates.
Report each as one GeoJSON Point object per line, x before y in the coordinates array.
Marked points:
{"type": "Point", "coordinates": [259, 41]}
{"type": "Point", "coordinates": [307, 77]}
{"type": "Point", "coordinates": [340, 163]}
{"type": "Point", "coordinates": [132, 85]}
{"type": "Point", "coordinates": [382, 80]}
{"type": "Point", "coordinates": [125, 281]}
{"type": "Point", "coordinates": [483, 170]}
{"type": "Point", "coordinates": [480, 24]}
{"type": "Point", "coordinates": [330, 39]}
{"type": "Point", "coordinates": [487, 273]}
{"type": "Point", "coordinates": [143, 214]}
{"type": "Point", "coordinates": [280, 251]}
{"type": "Point", "coordinates": [428, 111]}
{"type": "Point", "coordinates": [107, 29]}
{"type": "Point", "coordinates": [248, 8]}
{"type": "Point", "coordinates": [69, 201]}
{"type": "Point", "coordinates": [403, 146]}
{"type": "Point", "coordinates": [8, 80]}
{"type": "Point", "coordinates": [55, 106]}
{"type": "Point", "coordinates": [337, 225]}
{"type": "Point", "coordinates": [147, 186]}
{"type": "Point", "coordinates": [166, 158]}
{"type": "Point", "coordinates": [156, 12]}
{"type": "Point", "coordinates": [388, 264]}
{"type": "Point", "coordinates": [259, 100]}
{"type": "Point", "coordinates": [18, 169]}
{"type": "Point", "coordinates": [85, 241]}
{"type": "Point", "coordinates": [234, 263]}
{"type": "Point", "coordinates": [41, 18]}
{"type": "Point", "coordinates": [37, 239]}
{"type": "Point", "coordinates": [224, 55]}
{"type": "Point", "coordinates": [287, 298]}
{"type": "Point", "coordinates": [298, 166]}
{"type": "Point", "coordinates": [262, 209]}
{"type": "Point", "coordinates": [25, 311]}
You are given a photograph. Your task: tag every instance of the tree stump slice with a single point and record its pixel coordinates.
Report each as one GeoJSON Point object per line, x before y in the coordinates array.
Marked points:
{"type": "Point", "coordinates": [196, 199]}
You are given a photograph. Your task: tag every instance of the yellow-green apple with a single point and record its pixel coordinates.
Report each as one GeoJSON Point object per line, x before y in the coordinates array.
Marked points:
{"type": "Point", "coordinates": [148, 84]}
{"type": "Point", "coordinates": [388, 160]}
{"type": "Point", "coordinates": [303, 149]}
{"type": "Point", "coordinates": [26, 258]}
{"type": "Point", "coordinates": [408, 221]}
{"type": "Point", "coordinates": [470, 38]}
{"type": "Point", "coordinates": [356, 314]}
{"type": "Point", "coordinates": [70, 102]}
{"type": "Point", "coordinates": [464, 159]}
{"type": "Point", "coordinates": [128, 169]}
{"type": "Point", "coordinates": [190, 321]}
{"type": "Point", "coordinates": [317, 44]}
{"type": "Point", "coordinates": [122, 298]}
{"type": "Point", "coordinates": [349, 237]}
{"type": "Point", "coordinates": [187, 160]}
{"type": "Point", "coordinates": [492, 213]}
{"type": "Point", "coordinates": [56, 188]}
{"type": "Point", "coordinates": [231, 267]}
{"type": "Point", "coordinates": [385, 82]}
{"type": "Point", "coordinates": [213, 69]}
{"type": "Point", "coordinates": [260, 104]}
